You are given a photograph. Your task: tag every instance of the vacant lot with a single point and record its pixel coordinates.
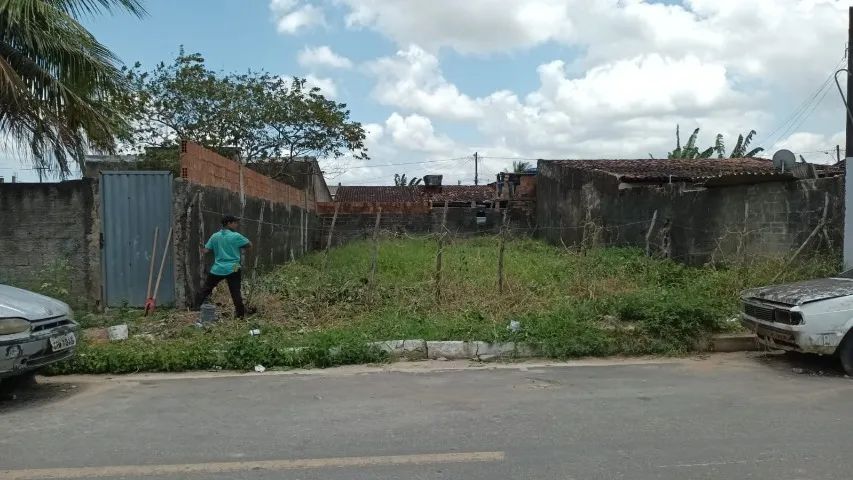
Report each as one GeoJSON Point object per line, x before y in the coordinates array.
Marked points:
{"type": "Point", "coordinates": [569, 304]}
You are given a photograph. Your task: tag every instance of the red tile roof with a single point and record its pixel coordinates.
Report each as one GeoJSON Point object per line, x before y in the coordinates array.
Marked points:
{"type": "Point", "coordinates": [420, 193]}
{"type": "Point", "coordinates": [676, 170]}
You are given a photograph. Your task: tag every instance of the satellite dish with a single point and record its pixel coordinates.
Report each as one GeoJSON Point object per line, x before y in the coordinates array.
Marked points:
{"type": "Point", "coordinates": [784, 160]}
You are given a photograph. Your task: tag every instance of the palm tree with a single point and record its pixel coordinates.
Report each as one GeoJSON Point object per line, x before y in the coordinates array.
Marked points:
{"type": "Point", "coordinates": [691, 151]}
{"type": "Point", "coordinates": [60, 89]}
{"type": "Point", "coordinates": [521, 167]}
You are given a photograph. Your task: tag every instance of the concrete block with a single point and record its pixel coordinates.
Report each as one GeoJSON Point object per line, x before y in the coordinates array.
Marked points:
{"type": "Point", "coordinates": [737, 342]}
{"type": "Point", "coordinates": [406, 349]}
{"type": "Point", "coordinates": [483, 350]}
{"type": "Point", "coordinates": [451, 350]}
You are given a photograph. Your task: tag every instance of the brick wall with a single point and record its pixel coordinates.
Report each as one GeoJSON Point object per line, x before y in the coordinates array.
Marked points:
{"type": "Point", "coordinates": [45, 224]}
{"type": "Point", "coordinates": [204, 167]}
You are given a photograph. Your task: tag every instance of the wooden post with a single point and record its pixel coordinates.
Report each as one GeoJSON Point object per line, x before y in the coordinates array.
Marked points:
{"type": "Point", "coordinates": [329, 238]}
{"type": "Point", "coordinates": [649, 234]}
{"type": "Point", "coordinates": [375, 246]}
{"type": "Point", "coordinates": [502, 249]}
{"type": "Point", "coordinates": [440, 253]}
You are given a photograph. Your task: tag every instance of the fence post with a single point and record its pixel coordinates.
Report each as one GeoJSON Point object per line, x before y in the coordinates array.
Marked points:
{"type": "Point", "coordinates": [649, 234]}
{"type": "Point", "coordinates": [501, 250]}
{"type": "Point", "coordinates": [440, 253]}
{"type": "Point", "coordinates": [375, 246]}
{"type": "Point", "coordinates": [329, 238]}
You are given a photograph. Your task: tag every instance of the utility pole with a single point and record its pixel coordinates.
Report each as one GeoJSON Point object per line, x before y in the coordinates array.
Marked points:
{"type": "Point", "coordinates": [849, 140]}
{"type": "Point", "coordinates": [476, 159]}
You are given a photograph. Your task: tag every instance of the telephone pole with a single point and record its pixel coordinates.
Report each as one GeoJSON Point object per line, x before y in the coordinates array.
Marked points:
{"type": "Point", "coordinates": [849, 140]}
{"type": "Point", "coordinates": [477, 158]}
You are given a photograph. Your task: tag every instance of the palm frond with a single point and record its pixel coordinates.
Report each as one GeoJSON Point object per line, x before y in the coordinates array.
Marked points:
{"type": "Point", "coordinates": [720, 146]}
{"type": "Point", "coordinates": [754, 152]}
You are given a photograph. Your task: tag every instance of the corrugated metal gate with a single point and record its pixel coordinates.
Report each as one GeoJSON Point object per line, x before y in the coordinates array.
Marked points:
{"type": "Point", "coordinates": [133, 204]}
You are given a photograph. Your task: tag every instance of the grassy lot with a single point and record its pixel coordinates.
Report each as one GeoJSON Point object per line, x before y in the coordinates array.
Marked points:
{"type": "Point", "coordinates": [604, 302]}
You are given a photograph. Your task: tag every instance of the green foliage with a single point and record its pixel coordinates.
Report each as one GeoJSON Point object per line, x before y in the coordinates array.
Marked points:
{"type": "Point", "coordinates": [691, 151]}
{"type": "Point", "coordinates": [58, 84]}
{"type": "Point", "coordinates": [604, 302]}
{"type": "Point", "coordinates": [265, 119]}
{"type": "Point", "coordinates": [402, 181]}
{"type": "Point", "coordinates": [521, 166]}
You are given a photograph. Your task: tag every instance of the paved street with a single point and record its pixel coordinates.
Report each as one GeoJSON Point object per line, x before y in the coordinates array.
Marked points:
{"type": "Point", "coordinates": [721, 417]}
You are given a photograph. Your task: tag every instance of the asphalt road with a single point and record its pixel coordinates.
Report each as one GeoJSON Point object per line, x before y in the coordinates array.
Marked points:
{"type": "Point", "coordinates": [723, 417]}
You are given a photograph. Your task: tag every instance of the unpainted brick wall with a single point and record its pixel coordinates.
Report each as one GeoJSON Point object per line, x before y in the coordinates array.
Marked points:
{"type": "Point", "coordinates": [44, 224]}
{"type": "Point", "coordinates": [204, 167]}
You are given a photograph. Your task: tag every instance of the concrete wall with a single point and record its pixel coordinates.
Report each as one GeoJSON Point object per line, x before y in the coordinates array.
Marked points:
{"type": "Point", "coordinates": [278, 232]}
{"type": "Point", "coordinates": [693, 225]}
{"type": "Point", "coordinates": [461, 221]}
{"type": "Point", "coordinates": [44, 224]}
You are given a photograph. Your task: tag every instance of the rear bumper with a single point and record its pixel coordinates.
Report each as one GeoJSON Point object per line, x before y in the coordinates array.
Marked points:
{"type": "Point", "coordinates": [35, 352]}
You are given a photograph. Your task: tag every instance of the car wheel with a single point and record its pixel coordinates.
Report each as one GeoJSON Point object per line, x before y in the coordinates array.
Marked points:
{"type": "Point", "coordinates": [845, 354]}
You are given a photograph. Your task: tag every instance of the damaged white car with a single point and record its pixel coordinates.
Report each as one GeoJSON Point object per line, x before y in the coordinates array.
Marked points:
{"type": "Point", "coordinates": [35, 331]}
{"type": "Point", "coordinates": [814, 316]}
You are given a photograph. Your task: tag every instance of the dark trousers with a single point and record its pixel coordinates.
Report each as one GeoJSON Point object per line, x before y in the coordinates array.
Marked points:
{"type": "Point", "coordinates": [234, 280]}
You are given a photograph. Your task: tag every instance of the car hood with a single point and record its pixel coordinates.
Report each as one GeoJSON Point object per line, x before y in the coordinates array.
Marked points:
{"type": "Point", "coordinates": [18, 303]}
{"type": "Point", "coordinates": [803, 292]}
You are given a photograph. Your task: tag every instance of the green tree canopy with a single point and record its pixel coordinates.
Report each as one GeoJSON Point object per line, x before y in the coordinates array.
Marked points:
{"type": "Point", "coordinates": [267, 120]}
{"type": "Point", "coordinates": [58, 84]}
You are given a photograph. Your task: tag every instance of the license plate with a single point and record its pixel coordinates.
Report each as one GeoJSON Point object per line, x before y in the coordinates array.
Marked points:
{"type": "Point", "coordinates": [63, 342]}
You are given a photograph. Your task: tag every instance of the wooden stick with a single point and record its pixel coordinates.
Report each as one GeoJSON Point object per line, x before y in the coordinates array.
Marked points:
{"type": "Point", "coordinates": [329, 238]}
{"type": "Point", "coordinates": [375, 246]}
{"type": "Point", "coordinates": [151, 263]}
{"type": "Point", "coordinates": [439, 255]}
{"type": "Point", "coordinates": [501, 251]}
{"type": "Point", "coordinates": [162, 263]}
{"type": "Point", "coordinates": [817, 229]}
{"type": "Point", "coordinates": [649, 234]}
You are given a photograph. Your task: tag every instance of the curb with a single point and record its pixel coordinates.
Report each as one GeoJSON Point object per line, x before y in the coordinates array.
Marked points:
{"type": "Point", "coordinates": [734, 342]}
{"type": "Point", "coordinates": [453, 350]}
{"type": "Point", "coordinates": [418, 349]}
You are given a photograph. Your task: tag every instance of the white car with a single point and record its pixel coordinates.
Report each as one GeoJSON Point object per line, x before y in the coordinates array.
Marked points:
{"type": "Point", "coordinates": [35, 331]}
{"type": "Point", "coordinates": [814, 316]}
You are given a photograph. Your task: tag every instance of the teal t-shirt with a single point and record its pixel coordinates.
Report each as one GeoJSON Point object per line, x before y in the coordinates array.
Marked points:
{"type": "Point", "coordinates": [226, 245]}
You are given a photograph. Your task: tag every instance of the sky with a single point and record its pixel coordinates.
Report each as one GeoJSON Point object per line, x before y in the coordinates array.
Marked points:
{"type": "Point", "coordinates": [435, 81]}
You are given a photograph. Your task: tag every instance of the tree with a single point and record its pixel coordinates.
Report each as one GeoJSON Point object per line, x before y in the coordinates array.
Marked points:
{"type": "Point", "coordinates": [402, 181]}
{"type": "Point", "coordinates": [266, 120]}
{"type": "Point", "coordinates": [58, 84]}
{"type": "Point", "coordinates": [521, 167]}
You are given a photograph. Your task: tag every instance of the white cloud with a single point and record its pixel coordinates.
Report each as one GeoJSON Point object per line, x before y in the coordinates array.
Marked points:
{"type": "Point", "coordinates": [415, 132]}
{"type": "Point", "coordinates": [633, 71]}
{"type": "Point", "coordinates": [327, 86]}
{"type": "Point", "coordinates": [412, 80]}
{"type": "Point", "coordinates": [322, 57]}
{"type": "Point", "coordinates": [292, 16]}
{"type": "Point", "coordinates": [814, 147]}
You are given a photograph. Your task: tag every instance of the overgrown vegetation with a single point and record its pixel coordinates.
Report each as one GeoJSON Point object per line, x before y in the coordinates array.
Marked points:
{"type": "Point", "coordinates": [600, 302]}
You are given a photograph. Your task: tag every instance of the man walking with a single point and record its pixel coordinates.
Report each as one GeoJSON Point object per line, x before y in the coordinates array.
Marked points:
{"type": "Point", "coordinates": [227, 245]}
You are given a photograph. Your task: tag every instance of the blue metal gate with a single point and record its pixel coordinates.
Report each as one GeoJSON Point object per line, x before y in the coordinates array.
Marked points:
{"type": "Point", "coordinates": [133, 204]}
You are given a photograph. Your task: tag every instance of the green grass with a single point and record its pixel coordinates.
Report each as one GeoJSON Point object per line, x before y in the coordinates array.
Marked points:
{"type": "Point", "coordinates": [603, 302]}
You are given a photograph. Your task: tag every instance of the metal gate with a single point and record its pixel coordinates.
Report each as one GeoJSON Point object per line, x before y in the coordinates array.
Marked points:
{"type": "Point", "coordinates": [133, 204]}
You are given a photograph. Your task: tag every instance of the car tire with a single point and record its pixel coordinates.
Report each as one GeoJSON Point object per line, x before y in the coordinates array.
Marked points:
{"type": "Point", "coordinates": [845, 354]}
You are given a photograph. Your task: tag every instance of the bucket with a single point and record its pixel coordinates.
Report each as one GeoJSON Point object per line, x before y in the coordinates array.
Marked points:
{"type": "Point", "coordinates": [207, 312]}
{"type": "Point", "coordinates": [117, 332]}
